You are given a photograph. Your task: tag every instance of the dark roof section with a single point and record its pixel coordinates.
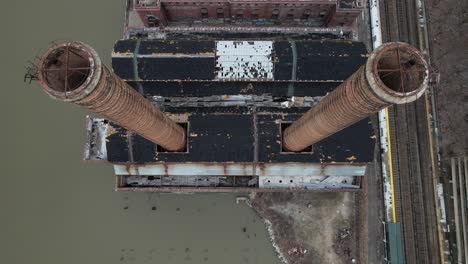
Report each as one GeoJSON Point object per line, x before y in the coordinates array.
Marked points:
{"type": "Point", "coordinates": [128, 45]}
{"type": "Point", "coordinates": [123, 67]}
{"type": "Point", "coordinates": [186, 68]}
{"type": "Point", "coordinates": [117, 145]}
{"type": "Point", "coordinates": [329, 60]}
{"type": "Point", "coordinates": [226, 134]}
{"type": "Point", "coordinates": [176, 68]}
{"type": "Point", "coordinates": [176, 47]}
{"type": "Point", "coordinates": [283, 59]}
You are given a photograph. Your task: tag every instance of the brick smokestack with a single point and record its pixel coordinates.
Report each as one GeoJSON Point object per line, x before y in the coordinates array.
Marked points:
{"type": "Point", "coordinates": [73, 72]}
{"type": "Point", "coordinates": [395, 73]}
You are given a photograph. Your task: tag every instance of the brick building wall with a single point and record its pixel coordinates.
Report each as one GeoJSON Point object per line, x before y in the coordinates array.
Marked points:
{"type": "Point", "coordinates": [312, 12]}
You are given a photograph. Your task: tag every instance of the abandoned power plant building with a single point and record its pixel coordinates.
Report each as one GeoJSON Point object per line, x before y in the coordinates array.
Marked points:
{"type": "Point", "coordinates": [155, 13]}
{"type": "Point", "coordinates": [235, 108]}
{"type": "Point", "coordinates": [229, 112]}
{"type": "Point", "coordinates": [228, 108]}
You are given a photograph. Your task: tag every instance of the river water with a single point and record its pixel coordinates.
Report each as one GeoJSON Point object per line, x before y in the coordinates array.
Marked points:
{"type": "Point", "coordinates": [57, 209]}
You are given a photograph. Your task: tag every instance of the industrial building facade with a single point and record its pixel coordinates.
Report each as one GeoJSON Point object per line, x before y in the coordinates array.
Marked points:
{"type": "Point", "coordinates": [320, 13]}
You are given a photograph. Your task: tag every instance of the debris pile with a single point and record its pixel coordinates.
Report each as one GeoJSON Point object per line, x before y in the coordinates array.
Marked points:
{"type": "Point", "coordinates": [297, 251]}
{"type": "Point", "coordinates": [342, 243]}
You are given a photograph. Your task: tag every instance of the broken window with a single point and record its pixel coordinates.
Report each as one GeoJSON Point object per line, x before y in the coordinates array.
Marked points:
{"type": "Point", "coordinates": [152, 21]}
{"type": "Point", "coordinates": [254, 14]}
{"type": "Point", "coordinates": [290, 15]}
{"type": "Point", "coordinates": [220, 13]}
{"type": "Point", "coordinates": [240, 14]}
{"type": "Point", "coordinates": [306, 14]}
{"type": "Point", "coordinates": [204, 13]}
{"type": "Point", "coordinates": [275, 14]}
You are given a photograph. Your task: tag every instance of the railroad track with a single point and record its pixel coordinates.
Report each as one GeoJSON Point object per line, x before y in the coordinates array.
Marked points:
{"type": "Point", "coordinates": [413, 187]}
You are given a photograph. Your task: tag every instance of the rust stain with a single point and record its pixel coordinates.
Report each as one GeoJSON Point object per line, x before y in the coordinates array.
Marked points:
{"type": "Point", "coordinates": [244, 170]}
{"type": "Point", "coordinates": [247, 89]}
{"type": "Point", "coordinates": [125, 54]}
{"type": "Point", "coordinates": [261, 166]}
{"type": "Point", "coordinates": [127, 168]}
{"type": "Point", "coordinates": [323, 166]}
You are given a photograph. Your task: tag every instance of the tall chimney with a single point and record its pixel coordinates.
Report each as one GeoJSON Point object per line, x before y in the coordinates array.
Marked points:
{"type": "Point", "coordinates": [395, 73]}
{"type": "Point", "coordinates": [73, 72]}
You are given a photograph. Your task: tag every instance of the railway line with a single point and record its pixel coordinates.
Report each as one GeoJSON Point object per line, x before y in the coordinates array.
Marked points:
{"type": "Point", "coordinates": [413, 185]}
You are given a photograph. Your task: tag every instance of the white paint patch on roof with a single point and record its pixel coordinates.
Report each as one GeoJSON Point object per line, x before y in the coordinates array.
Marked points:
{"type": "Point", "coordinates": [244, 60]}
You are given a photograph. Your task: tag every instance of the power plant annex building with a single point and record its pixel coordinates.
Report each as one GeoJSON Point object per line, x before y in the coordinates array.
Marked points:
{"type": "Point", "coordinates": [232, 112]}
{"type": "Point", "coordinates": [155, 13]}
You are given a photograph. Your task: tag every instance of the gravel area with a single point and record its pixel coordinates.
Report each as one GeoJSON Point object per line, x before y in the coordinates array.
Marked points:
{"type": "Point", "coordinates": [448, 39]}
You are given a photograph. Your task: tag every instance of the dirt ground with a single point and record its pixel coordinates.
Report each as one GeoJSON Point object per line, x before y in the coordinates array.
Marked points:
{"type": "Point", "coordinates": [448, 40]}
{"type": "Point", "coordinates": [321, 223]}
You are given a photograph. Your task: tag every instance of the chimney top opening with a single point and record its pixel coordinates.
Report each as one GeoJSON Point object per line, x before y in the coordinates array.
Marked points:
{"type": "Point", "coordinates": [401, 70]}
{"type": "Point", "coordinates": [66, 68]}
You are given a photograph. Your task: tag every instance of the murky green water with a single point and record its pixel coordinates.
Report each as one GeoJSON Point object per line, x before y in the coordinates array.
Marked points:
{"type": "Point", "coordinates": [57, 209]}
